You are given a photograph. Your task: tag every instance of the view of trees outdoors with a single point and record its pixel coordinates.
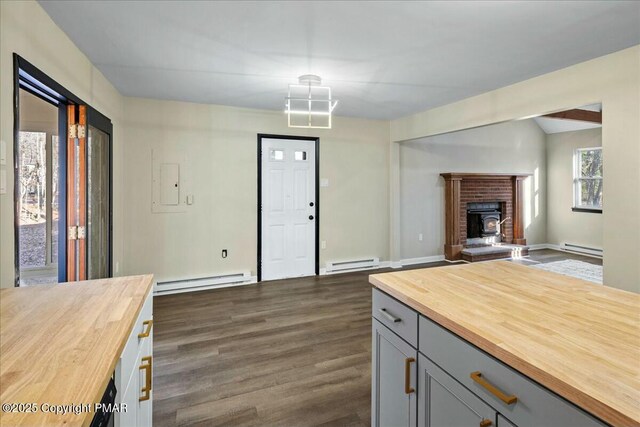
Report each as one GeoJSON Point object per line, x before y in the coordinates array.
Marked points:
{"type": "Point", "coordinates": [590, 179]}
{"type": "Point", "coordinates": [33, 200]}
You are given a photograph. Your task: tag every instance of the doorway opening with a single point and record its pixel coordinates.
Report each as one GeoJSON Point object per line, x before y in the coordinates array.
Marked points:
{"type": "Point", "coordinates": [38, 185]}
{"type": "Point", "coordinates": [288, 206]}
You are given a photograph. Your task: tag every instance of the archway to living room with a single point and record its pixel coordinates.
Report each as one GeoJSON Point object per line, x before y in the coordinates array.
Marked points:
{"type": "Point", "coordinates": [529, 189]}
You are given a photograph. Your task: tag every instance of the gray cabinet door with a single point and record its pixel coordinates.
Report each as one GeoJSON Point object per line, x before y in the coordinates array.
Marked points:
{"type": "Point", "coordinates": [393, 392]}
{"type": "Point", "coordinates": [503, 422]}
{"type": "Point", "coordinates": [443, 402]}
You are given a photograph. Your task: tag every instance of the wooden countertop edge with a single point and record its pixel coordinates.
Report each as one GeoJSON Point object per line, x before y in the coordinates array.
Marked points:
{"type": "Point", "coordinates": [88, 416]}
{"type": "Point", "coordinates": [577, 397]}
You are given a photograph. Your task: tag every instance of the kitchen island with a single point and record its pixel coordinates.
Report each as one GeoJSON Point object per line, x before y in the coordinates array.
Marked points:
{"type": "Point", "coordinates": [62, 346]}
{"type": "Point", "coordinates": [510, 344]}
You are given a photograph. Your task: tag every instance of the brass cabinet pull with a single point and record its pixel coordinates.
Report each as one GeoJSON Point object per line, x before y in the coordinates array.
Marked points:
{"type": "Point", "coordinates": [407, 375]}
{"type": "Point", "coordinates": [477, 377]}
{"type": "Point", "coordinates": [485, 423]}
{"type": "Point", "coordinates": [147, 332]}
{"type": "Point", "coordinates": [147, 363]}
{"type": "Point", "coordinates": [389, 316]}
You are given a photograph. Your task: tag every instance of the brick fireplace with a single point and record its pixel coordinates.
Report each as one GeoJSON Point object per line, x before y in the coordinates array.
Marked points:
{"type": "Point", "coordinates": [502, 192]}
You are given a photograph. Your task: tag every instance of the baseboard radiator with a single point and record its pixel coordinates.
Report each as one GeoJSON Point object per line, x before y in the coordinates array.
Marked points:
{"type": "Point", "coordinates": [353, 265]}
{"type": "Point", "coordinates": [571, 247]}
{"type": "Point", "coordinates": [202, 283]}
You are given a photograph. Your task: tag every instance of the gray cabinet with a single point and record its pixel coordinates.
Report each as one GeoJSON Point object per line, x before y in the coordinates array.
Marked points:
{"type": "Point", "coordinates": [443, 402]}
{"type": "Point", "coordinates": [521, 400]}
{"type": "Point", "coordinates": [503, 422]}
{"type": "Point", "coordinates": [453, 383]}
{"type": "Point", "coordinates": [393, 379]}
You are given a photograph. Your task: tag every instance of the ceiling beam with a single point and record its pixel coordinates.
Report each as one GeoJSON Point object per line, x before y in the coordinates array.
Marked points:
{"type": "Point", "coordinates": [577, 114]}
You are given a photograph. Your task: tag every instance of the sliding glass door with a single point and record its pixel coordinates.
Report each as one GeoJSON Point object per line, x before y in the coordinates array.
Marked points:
{"type": "Point", "coordinates": [98, 201]}
{"type": "Point", "coordinates": [88, 194]}
{"type": "Point", "coordinates": [62, 176]}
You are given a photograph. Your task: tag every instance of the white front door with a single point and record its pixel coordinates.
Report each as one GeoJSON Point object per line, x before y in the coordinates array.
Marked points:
{"type": "Point", "coordinates": [288, 208]}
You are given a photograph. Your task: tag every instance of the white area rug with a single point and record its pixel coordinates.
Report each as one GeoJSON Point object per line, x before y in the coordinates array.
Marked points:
{"type": "Point", "coordinates": [580, 269]}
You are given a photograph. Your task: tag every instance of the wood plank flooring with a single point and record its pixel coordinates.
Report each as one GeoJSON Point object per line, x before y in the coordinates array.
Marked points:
{"type": "Point", "coordinates": [286, 353]}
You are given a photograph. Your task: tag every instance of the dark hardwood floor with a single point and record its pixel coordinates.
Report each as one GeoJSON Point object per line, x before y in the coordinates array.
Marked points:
{"type": "Point", "coordinates": [286, 353]}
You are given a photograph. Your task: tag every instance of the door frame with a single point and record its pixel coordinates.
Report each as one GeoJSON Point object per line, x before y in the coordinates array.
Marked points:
{"type": "Point", "coordinates": [28, 77]}
{"type": "Point", "coordinates": [262, 136]}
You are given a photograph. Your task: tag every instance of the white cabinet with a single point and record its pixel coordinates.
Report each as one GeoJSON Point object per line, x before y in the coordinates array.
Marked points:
{"type": "Point", "coordinates": [134, 372]}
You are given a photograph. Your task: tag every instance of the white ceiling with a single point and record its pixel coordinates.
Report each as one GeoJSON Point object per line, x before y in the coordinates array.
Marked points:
{"type": "Point", "coordinates": [383, 60]}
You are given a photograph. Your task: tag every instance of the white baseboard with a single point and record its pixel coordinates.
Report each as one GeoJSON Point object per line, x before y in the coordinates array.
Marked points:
{"type": "Point", "coordinates": [561, 249]}
{"type": "Point", "coordinates": [539, 246]}
{"type": "Point", "coordinates": [383, 264]}
{"type": "Point", "coordinates": [422, 260]}
{"type": "Point", "coordinates": [194, 286]}
{"type": "Point", "coordinates": [392, 264]}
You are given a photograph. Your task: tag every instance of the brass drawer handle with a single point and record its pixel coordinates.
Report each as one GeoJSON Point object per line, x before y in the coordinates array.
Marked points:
{"type": "Point", "coordinates": [407, 375]}
{"type": "Point", "coordinates": [147, 377]}
{"type": "Point", "coordinates": [389, 316]}
{"type": "Point", "coordinates": [485, 423]}
{"type": "Point", "coordinates": [147, 332]}
{"type": "Point", "coordinates": [477, 377]}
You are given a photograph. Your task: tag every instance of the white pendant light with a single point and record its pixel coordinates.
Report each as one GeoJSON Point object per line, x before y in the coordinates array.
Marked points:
{"type": "Point", "coordinates": [309, 105]}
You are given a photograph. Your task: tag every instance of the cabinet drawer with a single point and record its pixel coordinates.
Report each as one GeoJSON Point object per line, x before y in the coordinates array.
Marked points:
{"type": "Point", "coordinates": [396, 316]}
{"type": "Point", "coordinates": [535, 405]}
{"type": "Point", "coordinates": [129, 359]}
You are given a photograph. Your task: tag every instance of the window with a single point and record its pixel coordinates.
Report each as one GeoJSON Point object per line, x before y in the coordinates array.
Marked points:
{"type": "Point", "coordinates": [300, 155]}
{"type": "Point", "coordinates": [277, 155]}
{"type": "Point", "coordinates": [588, 179]}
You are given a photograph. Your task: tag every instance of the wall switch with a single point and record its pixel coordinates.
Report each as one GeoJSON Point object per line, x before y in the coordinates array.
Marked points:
{"type": "Point", "coordinates": [224, 253]}
{"type": "Point", "coordinates": [324, 182]}
{"type": "Point", "coordinates": [190, 199]}
{"type": "Point", "coordinates": [117, 267]}
{"type": "Point", "coordinates": [3, 153]}
{"type": "Point", "coordinates": [323, 244]}
{"type": "Point", "coordinates": [420, 237]}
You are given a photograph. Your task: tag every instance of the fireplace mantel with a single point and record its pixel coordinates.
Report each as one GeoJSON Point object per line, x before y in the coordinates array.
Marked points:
{"type": "Point", "coordinates": [482, 176]}
{"type": "Point", "coordinates": [461, 188]}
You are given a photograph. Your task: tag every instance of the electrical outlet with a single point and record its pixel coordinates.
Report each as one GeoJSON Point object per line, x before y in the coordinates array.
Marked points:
{"type": "Point", "coordinates": [323, 244]}
{"type": "Point", "coordinates": [224, 253]}
{"type": "Point", "coordinates": [420, 237]}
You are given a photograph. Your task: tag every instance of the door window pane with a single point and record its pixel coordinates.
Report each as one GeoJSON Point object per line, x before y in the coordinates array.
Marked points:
{"type": "Point", "coordinates": [32, 199]}
{"type": "Point", "coordinates": [98, 209]}
{"type": "Point", "coordinates": [55, 196]}
{"type": "Point", "coordinates": [300, 155]}
{"type": "Point", "coordinates": [277, 155]}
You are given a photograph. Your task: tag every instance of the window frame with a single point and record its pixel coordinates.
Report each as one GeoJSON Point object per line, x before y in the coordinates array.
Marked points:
{"type": "Point", "coordinates": [578, 178]}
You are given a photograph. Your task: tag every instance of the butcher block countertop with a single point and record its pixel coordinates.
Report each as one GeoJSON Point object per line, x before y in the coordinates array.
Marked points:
{"type": "Point", "coordinates": [578, 339]}
{"type": "Point", "coordinates": [59, 344]}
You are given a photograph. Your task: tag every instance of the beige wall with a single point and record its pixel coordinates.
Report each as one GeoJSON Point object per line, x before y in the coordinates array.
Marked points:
{"type": "Point", "coordinates": [564, 225]}
{"type": "Point", "coordinates": [511, 147]}
{"type": "Point", "coordinates": [219, 144]}
{"type": "Point", "coordinates": [613, 80]}
{"type": "Point", "coordinates": [26, 29]}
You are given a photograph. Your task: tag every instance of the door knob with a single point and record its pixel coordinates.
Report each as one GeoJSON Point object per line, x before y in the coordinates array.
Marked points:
{"type": "Point", "coordinates": [310, 216]}
{"type": "Point", "coordinates": [311, 204]}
